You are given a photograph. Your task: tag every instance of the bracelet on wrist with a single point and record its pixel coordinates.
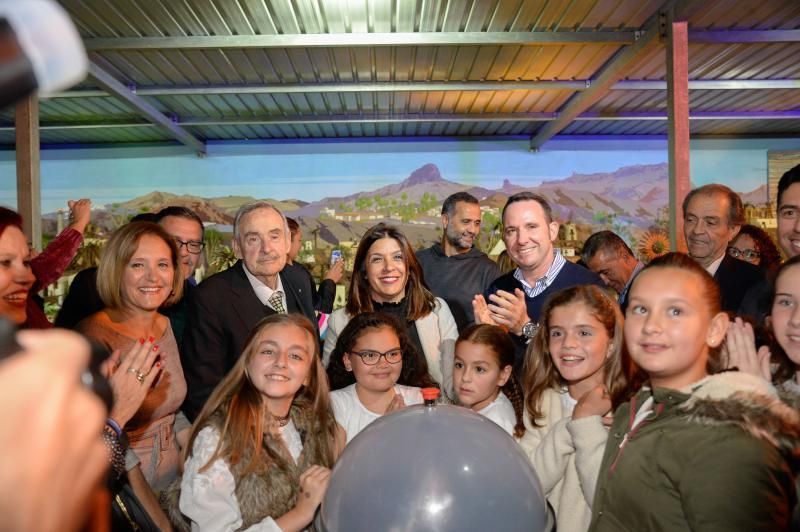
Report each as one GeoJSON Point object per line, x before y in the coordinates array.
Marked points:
{"type": "Point", "coordinates": [114, 426]}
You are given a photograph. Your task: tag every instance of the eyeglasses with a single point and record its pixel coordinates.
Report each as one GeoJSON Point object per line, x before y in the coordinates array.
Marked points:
{"type": "Point", "coordinates": [370, 358]}
{"type": "Point", "coordinates": [192, 246]}
{"type": "Point", "coordinates": [748, 254]}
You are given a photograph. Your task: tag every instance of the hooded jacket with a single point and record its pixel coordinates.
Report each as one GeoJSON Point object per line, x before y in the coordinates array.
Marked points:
{"type": "Point", "coordinates": [719, 455]}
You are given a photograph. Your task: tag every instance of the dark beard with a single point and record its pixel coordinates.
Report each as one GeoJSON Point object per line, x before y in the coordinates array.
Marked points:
{"type": "Point", "coordinates": [456, 241]}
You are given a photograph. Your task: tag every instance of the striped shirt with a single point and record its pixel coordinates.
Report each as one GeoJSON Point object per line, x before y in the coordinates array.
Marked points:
{"type": "Point", "coordinates": [542, 283]}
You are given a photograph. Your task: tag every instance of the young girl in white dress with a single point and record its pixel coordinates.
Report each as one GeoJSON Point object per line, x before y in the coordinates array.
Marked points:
{"type": "Point", "coordinates": [264, 443]}
{"type": "Point", "coordinates": [374, 369]}
{"type": "Point", "coordinates": [483, 379]}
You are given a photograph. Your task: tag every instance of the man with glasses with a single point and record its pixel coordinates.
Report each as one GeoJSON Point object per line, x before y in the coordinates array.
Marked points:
{"type": "Point", "coordinates": [186, 227]}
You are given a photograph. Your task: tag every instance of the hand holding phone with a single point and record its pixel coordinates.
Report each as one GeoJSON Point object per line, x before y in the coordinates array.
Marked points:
{"type": "Point", "coordinates": [336, 256]}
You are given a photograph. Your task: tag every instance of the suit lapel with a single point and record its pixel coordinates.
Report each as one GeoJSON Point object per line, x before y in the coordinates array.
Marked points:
{"type": "Point", "coordinates": [246, 304]}
{"type": "Point", "coordinates": [296, 296]}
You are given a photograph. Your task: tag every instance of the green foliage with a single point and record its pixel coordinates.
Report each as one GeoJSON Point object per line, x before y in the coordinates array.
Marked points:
{"type": "Point", "coordinates": [88, 255]}
{"type": "Point", "coordinates": [491, 231]}
{"type": "Point", "coordinates": [427, 201]}
{"type": "Point", "coordinates": [407, 212]}
{"type": "Point", "coordinates": [606, 219]}
{"type": "Point", "coordinates": [363, 203]}
{"type": "Point", "coordinates": [222, 260]}
{"type": "Point", "coordinates": [219, 256]}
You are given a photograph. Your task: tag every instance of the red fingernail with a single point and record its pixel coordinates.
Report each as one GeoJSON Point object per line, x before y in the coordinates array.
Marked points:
{"type": "Point", "coordinates": [158, 364]}
{"type": "Point", "coordinates": [151, 339]}
{"type": "Point", "coordinates": [155, 348]}
{"type": "Point", "coordinates": [141, 340]}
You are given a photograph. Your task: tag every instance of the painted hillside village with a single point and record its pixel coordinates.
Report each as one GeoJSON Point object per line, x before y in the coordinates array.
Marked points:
{"type": "Point", "coordinates": [631, 201]}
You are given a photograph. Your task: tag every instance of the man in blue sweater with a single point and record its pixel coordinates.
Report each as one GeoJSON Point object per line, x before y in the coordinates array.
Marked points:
{"type": "Point", "coordinates": [514, 300]}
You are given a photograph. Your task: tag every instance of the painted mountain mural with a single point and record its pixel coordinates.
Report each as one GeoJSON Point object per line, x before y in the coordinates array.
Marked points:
{"type": "Point", "coordinates": [631, 200]}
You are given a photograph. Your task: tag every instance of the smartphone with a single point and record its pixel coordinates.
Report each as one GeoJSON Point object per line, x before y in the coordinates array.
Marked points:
{"type": "Point", "coordinates": [336, 256]}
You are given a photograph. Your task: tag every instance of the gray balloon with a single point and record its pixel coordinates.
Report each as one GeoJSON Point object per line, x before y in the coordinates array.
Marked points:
{"type": "Point", "coordinates": [433, 468]}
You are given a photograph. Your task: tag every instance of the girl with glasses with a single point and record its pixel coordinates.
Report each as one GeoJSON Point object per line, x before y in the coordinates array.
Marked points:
{"type": "Point", "coordinates": [754, 245]}
{"type": "Point", "coordinates": [374, 370]}
{"type": "Point", "coordinates": [482, 370]}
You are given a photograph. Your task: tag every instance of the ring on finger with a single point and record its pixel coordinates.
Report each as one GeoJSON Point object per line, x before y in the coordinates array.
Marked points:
{"type": "Point", "coordinates": [133, 370]}
{"type": "Point", "coordinates": [140, 377]}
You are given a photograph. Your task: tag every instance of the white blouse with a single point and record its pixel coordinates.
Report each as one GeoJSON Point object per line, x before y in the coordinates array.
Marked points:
{"type": "Point", "coordinates": [208, 498]}
{"type": "Point", "coordinates": [353, 416]}
{"type": "Point", "coordinates": [501, 411]}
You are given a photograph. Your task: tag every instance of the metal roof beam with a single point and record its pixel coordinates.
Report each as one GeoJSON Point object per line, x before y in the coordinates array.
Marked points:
{"type": "Point", "coordinates": [334, 40]}
{"type": "Point", "coordinates": [613, 70]}
{"type": "Point", "coordinates": [476, 38]}
{"type": "Point", "coordinates": [389, 118]}
{"type": "Point", "coordinates": [696, 115]}
{"type": "Point", "coordinates": [110, 84]}
{"type": "Point", "coordinates": [435, 86]}
{"type": "Point", "coordinates": [711, 84]}
{"type": "Point", "coordinates": [743, 36]}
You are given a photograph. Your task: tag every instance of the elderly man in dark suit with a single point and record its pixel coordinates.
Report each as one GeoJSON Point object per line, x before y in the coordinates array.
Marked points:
{"type": "Point", "coordinates": [712, 217]}
{"type": "Point", "coordinates": [226, 306]}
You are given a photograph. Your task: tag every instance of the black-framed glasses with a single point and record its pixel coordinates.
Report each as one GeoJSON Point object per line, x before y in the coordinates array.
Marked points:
{"type": "Point", "coordinates": [748, 254]}
{"type": "Point", "coordinates": [192, 246]}
{"type": "Point", "coordinates": [370, 358]}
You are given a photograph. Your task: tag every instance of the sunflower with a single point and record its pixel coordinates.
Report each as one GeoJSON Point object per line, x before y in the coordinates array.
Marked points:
{"type": "Point", "coordinates": [653, 244]}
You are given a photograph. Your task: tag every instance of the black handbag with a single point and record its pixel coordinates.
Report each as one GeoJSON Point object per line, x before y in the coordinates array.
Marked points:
{"type": "Point", "coordinates": [127, 513]}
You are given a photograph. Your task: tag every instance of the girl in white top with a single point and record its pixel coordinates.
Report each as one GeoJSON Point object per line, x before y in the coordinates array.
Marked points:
{"type": "Point", "coordinates": [374, 369]}
{"type": "Point", "coordinates": [571, 365]}
{"type": "Point", "coordinates": [264, 443]}
{"type": "Point", "coordinates": [482, 376]}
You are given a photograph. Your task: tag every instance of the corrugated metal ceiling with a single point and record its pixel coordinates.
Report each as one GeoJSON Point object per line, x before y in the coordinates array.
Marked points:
{"type": "Point", "coordinates": [365, 68]}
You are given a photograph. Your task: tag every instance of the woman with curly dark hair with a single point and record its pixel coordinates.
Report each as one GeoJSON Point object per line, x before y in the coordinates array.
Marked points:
{"type": "Point", "coordinates": [755, 246]}
{"type": "Point", "coordinates": [374, 370]}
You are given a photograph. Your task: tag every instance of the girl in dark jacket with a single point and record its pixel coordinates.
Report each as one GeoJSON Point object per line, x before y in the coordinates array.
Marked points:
{"type": "Point", "coordinates": [693, 449]}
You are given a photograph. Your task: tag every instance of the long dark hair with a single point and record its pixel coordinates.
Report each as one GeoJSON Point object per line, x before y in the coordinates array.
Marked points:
{"type": "Point", "coordinates": [415, 367]}
{"type": "Point", "coordinates": [499, 343]}
{"type": "Point", "coordinates": [786, 368]}
{"type": "Point", "coordinates": [419, 300]}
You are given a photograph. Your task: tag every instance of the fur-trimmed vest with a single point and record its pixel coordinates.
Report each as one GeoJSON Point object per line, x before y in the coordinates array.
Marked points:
{"type": "Point", "coordinates": [273, 491]}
